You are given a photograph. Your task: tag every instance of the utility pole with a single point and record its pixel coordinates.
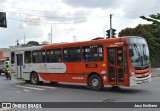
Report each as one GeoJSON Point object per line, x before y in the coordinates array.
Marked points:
{"type": "Point", "coordinates": [111, 26]}
{"type": "Point", "coordinates": [17, 41]}
{"type": "Point", "coordinates": [24, 34]}
{"type": "Point", "coordinates": [111, 32]}
{"type": "Point", "coordinates": [51, 33]}
{"type": "Point", "coordinates": [74, 38]}
{"type": "Point", "coordinates": [24, 37]}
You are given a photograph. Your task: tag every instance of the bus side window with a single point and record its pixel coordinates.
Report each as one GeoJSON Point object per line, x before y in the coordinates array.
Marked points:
{"type": "Point", "coordinates": [54, 55]}
{"type": "Point", "coordinates": [43, 56]}
{"type": "Point", "coordinates": [71, 54]}
{"type": "Point", "coordinates": [57, 55]}
{"type": "Point", "coordinates": [92, 53]}
{"type": "Point", "coordinates": [12, 57]}
{"type": "Point", "coordinates": [38, 56]}
{"type": "Point", "coordinates": [27, 57]}
{"type": "Point", "coordinates": [47, 55]}
{"type": "Point", "coordinates": [59, 59]}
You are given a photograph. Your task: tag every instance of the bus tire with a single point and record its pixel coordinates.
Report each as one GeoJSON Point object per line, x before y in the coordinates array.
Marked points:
{"type": "Point", "coordinates": [95, 83]}
{"type": "Point", "coordinates": [34, 78]}
{"type": "Point", "coordinates": [115, 87]}
{"type": "Point", "coordinates": [27, 81]}
{"type": "Point", "coordinates": [53, 82]}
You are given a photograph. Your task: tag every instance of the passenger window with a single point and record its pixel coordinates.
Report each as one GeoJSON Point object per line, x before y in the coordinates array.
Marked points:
{"type": "Point", "coordinates": [72, 54]}
{"type": "Point", "coordinates": [38, 56]}
{"type": "Point", "coordinates": [92, 53]}
{"type": "Point", "coordinates": [27, 57]}
{"type": "Point", "coordinates": [54, 55]}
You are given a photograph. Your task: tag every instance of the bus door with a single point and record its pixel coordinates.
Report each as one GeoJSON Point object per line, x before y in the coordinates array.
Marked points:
{"type": "Point", "coordinates": [115, 65]}
{"type": "Point", "coordinates": [19, 58]}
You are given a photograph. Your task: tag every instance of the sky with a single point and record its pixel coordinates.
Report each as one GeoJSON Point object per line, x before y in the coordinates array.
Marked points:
{"type": "Point", "coordinates": [69, 20]}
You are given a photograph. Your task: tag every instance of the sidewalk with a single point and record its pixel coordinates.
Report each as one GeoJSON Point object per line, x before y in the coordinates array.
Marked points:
{"type": "Point", "coordinates": [155, 72]}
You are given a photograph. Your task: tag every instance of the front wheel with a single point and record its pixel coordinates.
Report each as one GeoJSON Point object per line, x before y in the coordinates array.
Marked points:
{"type": "Point", "coordinates": [95, 83]}
{"type": "Point", "coordinates": [9, 76]}
{"type": "Point", "coordinates": [6, 74]}
{"type": "Point", "coordinates": [34, 78]}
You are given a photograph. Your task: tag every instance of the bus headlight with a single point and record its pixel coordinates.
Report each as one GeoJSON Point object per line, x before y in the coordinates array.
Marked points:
{"type": "Point", "coordinates": [132, 72]}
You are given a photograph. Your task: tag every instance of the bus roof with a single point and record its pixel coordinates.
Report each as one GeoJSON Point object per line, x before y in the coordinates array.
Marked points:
{"type": "Point", "coordinates": [27, 48]}
{"type": "Point", "coordinates": [95, 41]}
{"type": "Point", "coordinates": [76, 44]}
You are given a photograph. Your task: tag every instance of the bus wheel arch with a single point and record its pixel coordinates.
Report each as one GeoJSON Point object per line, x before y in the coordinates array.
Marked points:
{"type": "Point", "coordinates": [34, 78]}
{"type": "Point", "coordinates": [94, 81]}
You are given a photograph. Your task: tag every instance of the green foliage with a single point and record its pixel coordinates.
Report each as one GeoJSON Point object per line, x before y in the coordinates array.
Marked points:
{"type": "Point", "coordinates": [152, 18]}
{"type": "Point", "coordinates": [35, 43]}
{"type": "Point", "coordinates": [151, 32]}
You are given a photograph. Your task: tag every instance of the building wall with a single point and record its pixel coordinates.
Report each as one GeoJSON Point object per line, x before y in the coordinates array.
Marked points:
{"type": "Point", "coordinates": [4, 54]}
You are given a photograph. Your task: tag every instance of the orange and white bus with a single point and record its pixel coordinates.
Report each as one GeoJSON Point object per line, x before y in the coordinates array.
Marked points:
{"type": "Point", "coordinates": [115, 62]}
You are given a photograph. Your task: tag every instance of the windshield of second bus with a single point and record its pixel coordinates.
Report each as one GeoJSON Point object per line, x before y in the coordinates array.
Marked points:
{"type": "Point", "coordinates": [139, 52]}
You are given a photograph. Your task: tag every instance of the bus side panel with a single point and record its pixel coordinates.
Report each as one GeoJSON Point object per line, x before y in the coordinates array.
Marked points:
{"type": "Point", "coordinates": [59, 72]}
{"type": "Point", "coordinates": [96, 68]}
{"type": "Point", "coordinates": [74, 73]}
{"type": "Point", "coordinates": [74, 68]}
{"type": "Point", "coordinates": [64, 78]}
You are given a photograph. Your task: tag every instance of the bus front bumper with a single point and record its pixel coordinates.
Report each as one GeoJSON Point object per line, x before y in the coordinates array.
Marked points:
{"type": "Point", "coordinates": [136, 81]}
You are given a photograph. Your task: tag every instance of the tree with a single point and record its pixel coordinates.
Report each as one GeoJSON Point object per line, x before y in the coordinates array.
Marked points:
{"type": "Point", "coordinates": [35, 43]}
{"type": "Point", "coordinates": [155, 19]}
{"type": "Point", "coordinates": [150, 33]}
{"type": "Point", "coordinates": [152, 18]}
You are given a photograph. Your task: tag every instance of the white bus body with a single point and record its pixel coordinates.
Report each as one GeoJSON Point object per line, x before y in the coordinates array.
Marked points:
{"type": "Point", "coordinates": [19, 68]}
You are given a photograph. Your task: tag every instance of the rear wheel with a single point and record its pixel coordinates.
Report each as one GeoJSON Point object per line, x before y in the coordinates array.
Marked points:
{"type": "Point", "coordinates": [34, 78]}
{"type": "Point", "coordinates": [95, 83]}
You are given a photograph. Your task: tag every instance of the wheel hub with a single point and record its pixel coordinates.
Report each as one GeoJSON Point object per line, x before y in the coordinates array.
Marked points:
{"type": "Point", "coordinates": [95, 82]}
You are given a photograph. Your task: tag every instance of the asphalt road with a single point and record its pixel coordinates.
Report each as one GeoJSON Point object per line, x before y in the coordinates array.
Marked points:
{"type": "Point", "coordinates": [17, 91]}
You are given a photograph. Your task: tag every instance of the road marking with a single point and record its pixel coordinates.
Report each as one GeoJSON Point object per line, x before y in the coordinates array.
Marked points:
{"type": "Point", "coordinates": [26, 90]}
{"type": "Point", "coordinates": [29, 87]}
{"type": "Point", "coordinates": [18, 91]}
{"type": "Point", "coordinates": [48, 87]}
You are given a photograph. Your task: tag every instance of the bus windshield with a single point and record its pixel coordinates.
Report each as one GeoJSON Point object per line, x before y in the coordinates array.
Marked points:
{"type": "Point", "coordinates": [139, 53]}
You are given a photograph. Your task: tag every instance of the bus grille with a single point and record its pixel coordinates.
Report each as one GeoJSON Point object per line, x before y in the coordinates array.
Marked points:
{"type": "Point", "coordinates": [141, 68]}
{"type": "Point", "coordinates": [142, 75]}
